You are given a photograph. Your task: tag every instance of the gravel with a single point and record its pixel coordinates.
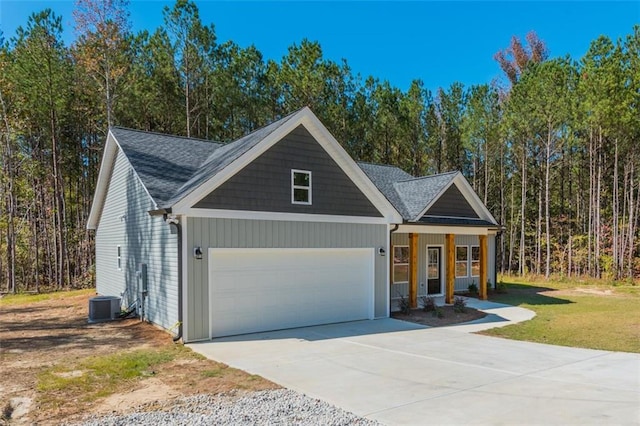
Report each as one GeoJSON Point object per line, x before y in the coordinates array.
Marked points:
{"type": "Point", "coordinates": [272, 407]}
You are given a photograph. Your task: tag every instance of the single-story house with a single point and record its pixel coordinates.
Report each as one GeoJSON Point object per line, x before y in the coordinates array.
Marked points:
{"type": "Point", "coordinates": [280, 228]}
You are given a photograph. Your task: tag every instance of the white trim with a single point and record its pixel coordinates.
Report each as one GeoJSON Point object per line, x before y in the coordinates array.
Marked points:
{"type": "Point", "coordinates": [287, 217]}
{"type": "Point", "coordinates": [185, 279]}
{"type": "Point", "coordinates": [471, 260]}
{"type": "Point", "coordinates": [313, 125]}
{"type": "Point", "coordinates": [387, 282]}
{"type": "Point", "coordinates": [466, 275]}
{"type": "Point", "coordinates": [104, 179]}
{"type": "Point", "coordinates": [210, 253]}
{"type": "Point", "coordinates": [443, 229]}
{"type": "Point", "coordinates": [102, 185]}
{"type": "Point", "coordinates": [442, 271]}
{"type": "Point", "coordinates": [307, 188]}
{"type": "Point", "coordinates": [393, 277]}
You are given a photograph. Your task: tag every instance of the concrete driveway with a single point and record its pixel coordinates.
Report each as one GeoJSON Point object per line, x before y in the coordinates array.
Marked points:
{"type": "Point", "coordinates": [401, 373]}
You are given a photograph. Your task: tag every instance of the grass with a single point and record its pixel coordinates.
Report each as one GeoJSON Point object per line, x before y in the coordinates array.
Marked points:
{"type": "Point", "coordinates": [568, 315]}
{"type": "Point", "coordinates": [26, 298]}
{"type": "Point", "coordinates": [99, 376]}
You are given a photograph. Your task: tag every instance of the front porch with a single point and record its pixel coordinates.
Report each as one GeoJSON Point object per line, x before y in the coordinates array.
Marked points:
{"type": "Point", "coordinates": [439, 262]}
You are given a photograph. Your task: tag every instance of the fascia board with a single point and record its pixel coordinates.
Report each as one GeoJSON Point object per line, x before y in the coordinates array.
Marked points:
{"type": "Point", "coordinates": [473, 199]}
{"type": "Point", "coordinates": [102, 185]}
{"type": "Point", "coordinates": [349, 167]}
{"type": "Point", "coordinates": [104, 178]}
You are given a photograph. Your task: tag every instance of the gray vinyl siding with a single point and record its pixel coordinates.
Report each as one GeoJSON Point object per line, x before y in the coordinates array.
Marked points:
{"type": "Point", "coordinates": [452, 204]}
{"type": "Point", "coordinates": [125, 221]}
{"type": "Point", "coordinates": [425, 240]}
{"type": "Point", "coordinates": [236, 233]}
{"type": "Point", "coordinates": [265, 184]}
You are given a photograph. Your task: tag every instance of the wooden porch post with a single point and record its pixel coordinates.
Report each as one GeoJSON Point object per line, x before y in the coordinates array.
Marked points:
{"type": "Point", "coordinates": [450, 248]}
{"type": "Point", "coordinates": [483, 267]}
{"type": "Point", "coordinates": [413, 270]}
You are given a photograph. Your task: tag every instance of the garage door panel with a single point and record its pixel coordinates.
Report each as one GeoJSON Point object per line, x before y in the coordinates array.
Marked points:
{"type": "Point", "coordinates": [265, 289]}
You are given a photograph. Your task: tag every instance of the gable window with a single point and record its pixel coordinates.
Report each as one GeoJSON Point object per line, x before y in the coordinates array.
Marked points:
{"type": "Point", "coordinates": [475, 261]}
{"type": "Point", "coordinates": [119, 257]}
{"type": "Point", "coordinates": [400, 264]}
{"type": "Point", "coordinates": [462, 259]}
{"type": "Point", "coordinates": [300, 187]}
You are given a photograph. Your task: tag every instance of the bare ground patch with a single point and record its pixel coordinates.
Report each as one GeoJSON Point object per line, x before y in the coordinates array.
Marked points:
{"type": "Point", "coordinates": [36, 337]}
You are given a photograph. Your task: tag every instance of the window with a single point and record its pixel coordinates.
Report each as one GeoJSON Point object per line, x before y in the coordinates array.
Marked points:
{"type": "Point", "coordinates": [400, 264]}
{"type": "Point", "coordinates": [119, 258]}
{"type": "Point", "coordinates": [475, 261]}
{"type": "Point", "coordinates": [433, 263]}
{"type": "Point", "coordinates": [462, 259]}
{"type": "Point", "coordinates": [300, 187]}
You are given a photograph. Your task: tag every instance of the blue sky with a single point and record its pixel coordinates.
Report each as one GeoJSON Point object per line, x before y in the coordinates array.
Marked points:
{"type": "Point", "coordinates": [437, 42]}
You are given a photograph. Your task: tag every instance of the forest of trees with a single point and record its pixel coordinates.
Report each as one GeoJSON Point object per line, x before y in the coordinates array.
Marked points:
{"type": "Point", "coordinates": [553, 151]}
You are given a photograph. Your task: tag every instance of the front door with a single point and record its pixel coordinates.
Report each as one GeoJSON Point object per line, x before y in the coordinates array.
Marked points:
{"type": "Point", "coordinates": [433, 271]}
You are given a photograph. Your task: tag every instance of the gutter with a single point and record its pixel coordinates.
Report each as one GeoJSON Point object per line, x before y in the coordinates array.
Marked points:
{"type": "Point", "coordinates": [176, 228]}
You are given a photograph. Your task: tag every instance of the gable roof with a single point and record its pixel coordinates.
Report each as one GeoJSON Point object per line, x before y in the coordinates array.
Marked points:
{"type": "Point", "coordinates": [413, 197]}
{"type": "Point", "coordinates": [163, 163]}
{"type": "Point", "coordinates": [222, 157]}
{"type": "Point", "coordinates": [177, 171]}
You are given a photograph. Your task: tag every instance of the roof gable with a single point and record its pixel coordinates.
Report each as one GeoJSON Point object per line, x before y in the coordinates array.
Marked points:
{"type": "Point", "coordinates": [452, 204]}
{"type": "Point", "coordinates": [163, 162]}
{"type": "Point", "coordinates": [265, 184]}
{"type": "Point", "coordinates": [434, 199]}
{"type": "Point", "coordinates": [418, 193]}
{"type": "Point", "coordinates": [215, 176]}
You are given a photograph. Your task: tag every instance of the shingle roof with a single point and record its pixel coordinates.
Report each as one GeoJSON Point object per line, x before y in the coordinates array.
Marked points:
{"type": "Point", "coordinates": [170, 167]}
{"type": "Point", "coordinates": [384, 177]}
{"type": "Point", "coordinates": [163, 162]}
{"type": "Point", "coordinates": [409, 195]}
{"type": "Point", "coordinates": [224, 156]}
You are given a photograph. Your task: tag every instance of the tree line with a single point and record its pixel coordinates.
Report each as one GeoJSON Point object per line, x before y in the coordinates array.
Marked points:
{"type": "Point", "coordinates": [552, 151]}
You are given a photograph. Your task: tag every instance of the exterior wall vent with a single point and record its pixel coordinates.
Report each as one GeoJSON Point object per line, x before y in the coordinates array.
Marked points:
{"type": "Point", "coordinates": [104, 308]}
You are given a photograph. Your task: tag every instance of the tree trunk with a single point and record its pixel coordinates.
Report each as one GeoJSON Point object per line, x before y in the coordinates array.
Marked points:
{"type": "Point", "coordinates": [523, 201]}
{"type": "Point", "coordinates": [546, 203]}
{"type": "Point", "coordinates": [614, 206]}
{"type": "Point", "coordinates": [10, 199]}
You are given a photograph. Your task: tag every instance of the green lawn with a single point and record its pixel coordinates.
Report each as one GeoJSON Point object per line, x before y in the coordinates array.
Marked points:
{"type": "Point", "coordinates": [574, 313]}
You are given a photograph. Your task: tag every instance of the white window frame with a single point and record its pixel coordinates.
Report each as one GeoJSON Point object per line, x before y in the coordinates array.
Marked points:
{"type": "Point", "coordinates": [294, 187]}
{"type": "Point", "coordinates": [393, 270]}
{"type": "Point", "coordinates": [119, 257]}
{"type": "Point", "coordinates": [471, 260]}
{"type": "Point", "coordinates": [466, 262]}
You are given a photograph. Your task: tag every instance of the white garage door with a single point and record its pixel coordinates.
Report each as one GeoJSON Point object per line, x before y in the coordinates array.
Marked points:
{"type": "Point", "coordinates": [256, 290]}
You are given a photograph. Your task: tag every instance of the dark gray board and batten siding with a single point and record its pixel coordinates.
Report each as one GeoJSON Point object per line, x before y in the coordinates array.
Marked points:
{"type": "Point", "coordinates": [265, 184]}
{"type": "Point", "coordinates": [452, 204]}
{"type": "Point", "coordinates": [143, 238]}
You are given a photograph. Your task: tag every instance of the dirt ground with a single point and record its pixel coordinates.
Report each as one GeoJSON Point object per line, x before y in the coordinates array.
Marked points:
{"type": "Point", "coordinates": [449, 316]}
{"type": "Point", "coordinates": [37, 336]}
